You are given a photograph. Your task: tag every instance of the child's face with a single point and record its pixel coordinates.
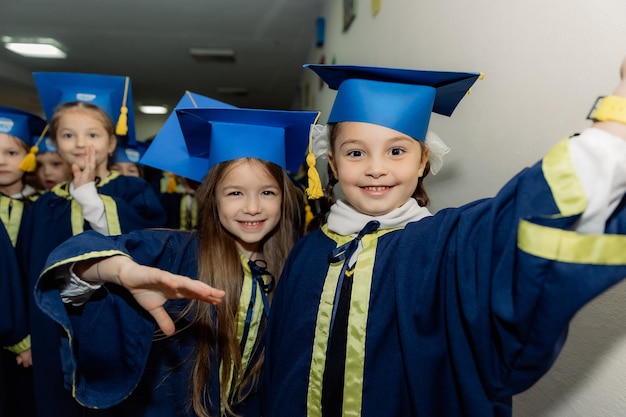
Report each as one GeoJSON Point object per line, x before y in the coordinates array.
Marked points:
{"type": "Point", "coordinates": [52, 169]}
{"type": "Point", "coordinates": [128, 169]}
{"type": "Point", "coordinates": [249, 204]}
{"type": "Point", "coordinates": [11, 155]}
{"type": "Point", "coordinates": [80, 129]}
{"type": "Point", "coordinates": [377, 168]}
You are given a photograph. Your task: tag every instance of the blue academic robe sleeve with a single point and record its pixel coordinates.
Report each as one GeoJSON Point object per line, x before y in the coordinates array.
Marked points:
{"type": "Point", "coordinates": [465, 308]}
{"type": "Point", "coordinates": [112, 358]}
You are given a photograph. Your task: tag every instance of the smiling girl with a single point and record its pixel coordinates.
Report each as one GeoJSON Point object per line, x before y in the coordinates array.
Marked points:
{"type": "Point", "coordinates": [208, 362]}
{"type": "Point", "coordinates": [389, 310]}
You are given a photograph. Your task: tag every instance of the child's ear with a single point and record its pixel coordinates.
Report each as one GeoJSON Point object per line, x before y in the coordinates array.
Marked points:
{"type": "Point", "coordinates": [424, 160]}
{"type": "Point", "coordinates": [331, 163]}
{"type": "Point", "coordinates": [112, 144]}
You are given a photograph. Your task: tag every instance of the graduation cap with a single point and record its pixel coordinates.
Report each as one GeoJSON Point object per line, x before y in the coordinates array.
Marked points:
{"type": "Point", "coordinates": [168, 150]}
{"type": "Point", "coordinates": [112, 93]}
{"type": "Point", "coordinates": [27, 127]}
{"type": "Point", "coordinates": [218, 135]}
{"type": "Point", "coordinates": [130, 154]}
{"type": "Point", "coordinates": [400, 99]}
{"type": "Point", "coordinates": [46, 144]}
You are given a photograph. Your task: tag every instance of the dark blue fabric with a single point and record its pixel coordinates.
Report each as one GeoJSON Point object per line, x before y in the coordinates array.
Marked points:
{"type": "Point", "coordinates": [110, 349]}
{"type": "Point", "coordinates": [459, 319]}
{"type": "Point", "coordinates": [49, 225]}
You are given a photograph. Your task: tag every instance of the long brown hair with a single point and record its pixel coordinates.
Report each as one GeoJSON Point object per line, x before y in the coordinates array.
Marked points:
{"type": "Point", "coordinates": [219, 266]}
{"type": "Point", "coordinates": [329, 195]}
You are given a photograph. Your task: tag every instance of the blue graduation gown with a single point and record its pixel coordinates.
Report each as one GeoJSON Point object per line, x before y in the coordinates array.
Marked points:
{"type": "Point", "coordinates": [450, 315]}
{"type": "Point", "coordinates": [130, 204]}
{"type": "Point", "coordinates": [111, 357]}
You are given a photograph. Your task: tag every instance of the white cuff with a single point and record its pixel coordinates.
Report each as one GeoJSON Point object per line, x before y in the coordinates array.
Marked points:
{"type": "Point", "coordinates": [600, 161]}
{"type": "Point", "coordinates": [93, 207]}
{"type": "Point", "coordinates": [74, 290]}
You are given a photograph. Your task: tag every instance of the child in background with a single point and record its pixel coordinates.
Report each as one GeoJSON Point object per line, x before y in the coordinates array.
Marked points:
{"type": "Point", "coordinates": [251, 216]}
{"type": "Point", "coordinates": [126, 158]}
{"type": "Point", "coordinates": [80, 109]}
{"type": "Point", "coordinates": [19, 130]}
{"type": "Point", "coordinates": [177, 189]}
{"type": "Point", "coordinates": [51, 168]}
{"type": "Point", "coordinates": [390, 310]}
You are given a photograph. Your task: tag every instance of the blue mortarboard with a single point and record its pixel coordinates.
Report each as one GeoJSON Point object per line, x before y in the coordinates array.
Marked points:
{"type": "Point", "coordinates": [127, 153]}
{"type": "Point", "coordinates": [112, 93]}
{"type": "Point", "coordinates": [25, 126]}
{"type": "Point", "coordinates": [168, 151]}
{"type": "Point", "coordinates": [218, 135]}
{"type": "Point", "coordinates": [46, 144]}
{"type": "Point", "coordinates": [400, 99]}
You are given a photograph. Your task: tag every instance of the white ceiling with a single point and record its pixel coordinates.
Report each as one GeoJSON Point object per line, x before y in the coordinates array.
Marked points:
{"type": "Point", "coordinates": [149, 40]}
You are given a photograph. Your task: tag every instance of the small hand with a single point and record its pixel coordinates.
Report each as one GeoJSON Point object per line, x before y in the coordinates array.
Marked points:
{"type": "Point", "coordinates": [25, 358]}
{"type": "Point", "coordinates": [152, 287]}
{"type": "Point", "coordinates": [88, 172]}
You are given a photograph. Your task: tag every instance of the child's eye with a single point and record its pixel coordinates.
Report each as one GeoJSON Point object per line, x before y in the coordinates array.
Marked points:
{"type": "Point", "coordinates": [12, 153]}
{"type": "Point", "coordinates": [66, 135]}
{"type": "Point", "coordinates": [94, 135]}
{"type": "Point", "coordinates": [397, 151]}
{"type": "Point", "coordinates": [268, 192]}
{"type": "Point", "coordinates": [354, 153]}
{"type": "Point", "coordinates": [234, 193]}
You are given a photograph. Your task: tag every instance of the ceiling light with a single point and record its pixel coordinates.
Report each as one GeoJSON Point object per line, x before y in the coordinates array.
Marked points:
{"type": "Point", "coordinates": [153, 109]}
{"type": "Point", "coordinates": [212, 54]}
{"type": "Point", "coordinates": [35, 47]}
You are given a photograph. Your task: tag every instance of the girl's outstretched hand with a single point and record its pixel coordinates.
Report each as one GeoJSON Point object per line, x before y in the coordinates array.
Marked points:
{"type": "Point", "coordinates": [151, 287]}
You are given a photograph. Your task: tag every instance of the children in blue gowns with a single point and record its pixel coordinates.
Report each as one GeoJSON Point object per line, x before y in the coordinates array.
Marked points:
{"type": "Point", "coordinates": [81, 110]}
{"type": "Point", "coordinates": [390, 310]}
{"type": "Point", "coordinates": [113, 360]}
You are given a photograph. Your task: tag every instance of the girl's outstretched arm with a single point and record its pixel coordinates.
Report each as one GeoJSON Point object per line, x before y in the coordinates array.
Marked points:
{"type": "Point", "coordinates": [151, 287]}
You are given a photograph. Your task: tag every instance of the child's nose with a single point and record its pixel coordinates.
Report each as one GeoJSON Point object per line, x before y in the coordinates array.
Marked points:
{"type": "Point", "coordinates": [376, 167]}
{"type": "Point", "coordinates": [252, 205]}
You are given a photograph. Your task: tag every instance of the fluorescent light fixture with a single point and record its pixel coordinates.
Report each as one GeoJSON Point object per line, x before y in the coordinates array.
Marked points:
{"type": "Point", "coordinates": [35, 47]}
{"type": "Point", "coordinates": [202, 54]}
{"type": "Point", "coordinates": [153, 109]}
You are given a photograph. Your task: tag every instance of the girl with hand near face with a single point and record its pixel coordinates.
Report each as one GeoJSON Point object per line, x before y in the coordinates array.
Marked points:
{"type": "Point", "coordinates": [80, 109]}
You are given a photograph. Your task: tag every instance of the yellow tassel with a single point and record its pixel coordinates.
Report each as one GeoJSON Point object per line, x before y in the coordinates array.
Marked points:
{"type": "Point", "coordinates": [314, 191]}
{"type": "Point", "coordinates": [308, 214]}
{"type": "Point", "coordinates": [122, 123]}
{"type": "Point", "coordinates": [171, 183]}
{"type": "Point", "coordinates": [29, 163]}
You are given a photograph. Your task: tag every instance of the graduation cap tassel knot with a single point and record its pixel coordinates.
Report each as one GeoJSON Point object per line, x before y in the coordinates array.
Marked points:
{"type": "Point", "coordinates": [122, 122]}
{"type": "Point", "coordinates": [314, 191]}
{"type": "Point", "coordinates": [29, 163]}
{"type": "Point", "coordinates": [171, 183]}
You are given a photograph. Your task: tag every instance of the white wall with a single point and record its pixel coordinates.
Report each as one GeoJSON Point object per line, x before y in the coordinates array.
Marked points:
{"type": "Point", "coordinates": [545, 62]}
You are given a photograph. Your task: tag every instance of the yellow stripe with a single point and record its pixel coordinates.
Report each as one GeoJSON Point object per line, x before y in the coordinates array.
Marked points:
{"type": "Point", "coordinates": [112, 217]}
{"type": "Point", "coordinates": [566, 188]}
{"type": "Point", "coordinates": [357, 326]}
{"type": "Point", "coordinates": [568, 246]}
{"type": "Point", "coordinates": [11, 211]}
{"type": "Point", "coordinates": [76, 218]}
{"type": "Point", "coordinates": [19, 347]}
{"type": "Point", "coordinates": [357, 329]}
{"type": "Point", "coordinates": [85, 257]}
{"type": "Point", "coordinates": [104, 181]}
